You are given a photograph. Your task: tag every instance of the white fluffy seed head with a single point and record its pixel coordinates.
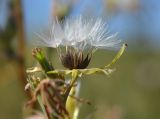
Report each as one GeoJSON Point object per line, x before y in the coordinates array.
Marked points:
{"type": "Point", "coordinates": [81, 34]}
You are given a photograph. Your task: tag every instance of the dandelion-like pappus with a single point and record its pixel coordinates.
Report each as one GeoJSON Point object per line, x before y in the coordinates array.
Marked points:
{"type": "Point", "coordinates": [77, 36]}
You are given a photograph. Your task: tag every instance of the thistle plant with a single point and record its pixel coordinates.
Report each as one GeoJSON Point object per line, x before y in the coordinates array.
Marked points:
{"type": "Point", "coordinates": [76, 40]}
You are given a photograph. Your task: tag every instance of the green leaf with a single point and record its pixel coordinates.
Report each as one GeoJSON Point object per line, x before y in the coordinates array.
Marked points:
{"type": "Point", "coordinates": [119, 54]}
{"type": "Point", "coordinates": [33, 70]}
{"type": "Point", "coordinates": [90, 71]}
{"type": "Point", "coordinates": [60, 72]}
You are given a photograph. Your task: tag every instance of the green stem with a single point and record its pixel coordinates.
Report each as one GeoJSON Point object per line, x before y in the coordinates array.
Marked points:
{"type": "Point", "coordinates": [73, 80]}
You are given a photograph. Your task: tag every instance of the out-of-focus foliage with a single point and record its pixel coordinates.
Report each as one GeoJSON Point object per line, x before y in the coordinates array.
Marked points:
{"type": "Point", "coordinates": [8, 33]}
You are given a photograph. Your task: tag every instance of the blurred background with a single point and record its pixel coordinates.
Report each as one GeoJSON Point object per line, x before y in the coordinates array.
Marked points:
{"type": "Point", "coordinates": [132, 92]}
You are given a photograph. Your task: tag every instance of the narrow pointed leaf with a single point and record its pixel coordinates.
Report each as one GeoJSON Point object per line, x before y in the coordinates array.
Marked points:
{"type": "Point", "coordinates": [119, 54]}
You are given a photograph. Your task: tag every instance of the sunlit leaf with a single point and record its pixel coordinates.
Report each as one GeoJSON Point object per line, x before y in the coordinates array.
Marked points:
{"type": "Point", "coordinates": [119, 54]}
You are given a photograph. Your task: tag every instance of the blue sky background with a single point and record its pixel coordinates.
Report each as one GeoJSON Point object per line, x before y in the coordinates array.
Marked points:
{"type": "Point", "coordinates": [38, 12]}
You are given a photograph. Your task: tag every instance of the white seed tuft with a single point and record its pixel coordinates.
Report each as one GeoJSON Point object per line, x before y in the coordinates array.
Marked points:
{"type": "Point", "coordinates": [81, 34]}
